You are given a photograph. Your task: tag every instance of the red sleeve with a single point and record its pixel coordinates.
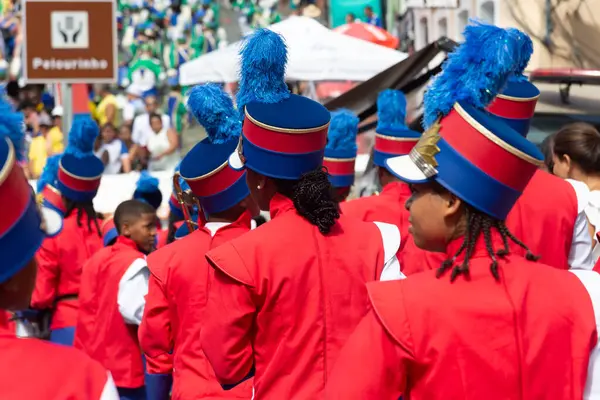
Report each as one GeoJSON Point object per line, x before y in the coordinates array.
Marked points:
{"type": "Point", "coordinates": [227, 332]}
{"type": "Point", "coordinates": [48, 273]}
{"type": "Point", "coordinates": [370, 365]}
{"type": "Point", "coordinates": [155, 333]}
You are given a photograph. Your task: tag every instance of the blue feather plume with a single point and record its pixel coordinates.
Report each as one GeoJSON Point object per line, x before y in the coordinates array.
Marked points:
{"type": "Point", "coordinates": [342, 131]}
{"type": "Point", "coordinates": [391, 110]}
{"type": "Point", "coordinates": [13, 128]}
{"type": "Point", "coordinates": [264, 57]}
{"type": "Point", "coordinates": [146, 183]}
{"type": "Point", "coordinates": [213, 108]}
{"type": "Point", "coordinates": [49, 173]}
{"type": "Point", "coordinates": [477, 70]}
{"type": "Point", "coordinates": [82, 136]}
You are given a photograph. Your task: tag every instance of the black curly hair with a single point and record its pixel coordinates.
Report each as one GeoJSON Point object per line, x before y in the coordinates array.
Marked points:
{"type": "Point", "coordinates": [83, 207]}
{"type": "Point", "coordinates": [313, 198]}
{"type": "Point", "coordinates": [479, 224]}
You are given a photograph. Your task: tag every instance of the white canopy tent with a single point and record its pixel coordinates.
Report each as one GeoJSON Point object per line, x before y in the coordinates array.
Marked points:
{"type": "Point", "coordinates": [315, 54]}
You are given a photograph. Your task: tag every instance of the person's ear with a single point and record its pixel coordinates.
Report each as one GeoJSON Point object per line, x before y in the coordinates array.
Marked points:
{"type": "Point", "coordinates": [567, 161]}
{"type": "Point", "coordinates": [125, 231]}
{"type": "Point", "coordinates": [452, 204]}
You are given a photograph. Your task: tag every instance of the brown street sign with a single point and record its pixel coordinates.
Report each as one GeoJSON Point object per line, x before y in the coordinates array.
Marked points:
{"type": "Point", "coordinates": [70, 41]}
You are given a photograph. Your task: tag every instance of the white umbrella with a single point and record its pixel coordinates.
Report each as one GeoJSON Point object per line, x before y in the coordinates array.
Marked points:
{"type": "Point", "coordinates": [315, 54]}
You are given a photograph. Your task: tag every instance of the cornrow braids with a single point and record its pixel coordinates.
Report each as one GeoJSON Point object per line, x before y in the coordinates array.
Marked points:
{"type": "Point", "coordinates": [313, 198]}
{"type": "Point", "coordinates": [86, 208]}
{"type": "Point", "coordinates": [479, 224]}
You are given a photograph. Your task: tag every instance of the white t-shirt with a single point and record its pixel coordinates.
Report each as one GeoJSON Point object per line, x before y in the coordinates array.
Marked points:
{"type": "Point", "coordinates": [142, 131]}
{"type": "Point", "coordinates": [116, 151]}
{"type": "Point", "coordinates": [132, 109]}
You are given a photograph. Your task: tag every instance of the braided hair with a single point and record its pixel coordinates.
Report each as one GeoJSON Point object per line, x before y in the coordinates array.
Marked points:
{"type": "Point", "coordinates": [86, 208]}
{"type": "Point", "coordinates": [313, 198]}
{"type": "Point", "coordinates": [479, 224]}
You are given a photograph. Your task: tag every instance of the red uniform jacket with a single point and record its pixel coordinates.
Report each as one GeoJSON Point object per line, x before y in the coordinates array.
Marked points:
{"type": "Point", "coordinates": [32, 369]}
{"type": "Point", "coordinates": [285, 298]}
{"type": "Point", "coordinates": [174, 314]}
{"type": "Point", "coordinates": [543, 218]}
{"type": "Point", "coordinates": [101, 330]}
{"type": "Point", "coordinates": [59, 269]}
{"type": "Point", "coordinates": [388, 207]}
{"type": "Point", "coordinates": [526, 337]}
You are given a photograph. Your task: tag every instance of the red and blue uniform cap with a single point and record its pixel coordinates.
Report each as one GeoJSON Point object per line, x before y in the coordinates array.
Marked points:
{"type": "Point", "coordinates": [392, 136]}
{"type": "Point", "coordinates": [80, 170]}
{"type": "Point", "coordinates": [516, 103]}
{"type": "Point", "coordinates": [109, 232]}
{"type": "Point", "coordinates": [21, 229]}
{"type": "Point", "coordinates": [205, 168]}
{"type": "Point", "coordinates": [49, 195]}
{"type": "Point", "coordinates": [341, 149]}
{"type": "Point", "coordinates": [469, 151]}
{"type": "Point", "coordinates": [147, 190]}
{"type": "Point", "coordinates": [283, 134]}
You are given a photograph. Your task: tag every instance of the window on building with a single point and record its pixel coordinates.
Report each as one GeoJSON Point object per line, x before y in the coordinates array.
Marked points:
{"type": "Point", "coordinates": [424, 32]}
{"type": "Point", "coordinates": [442, 27]}
{"type": "Point", "coordinates": [487, 12]}
{"type": "Point", "coordinates": [463, 20]}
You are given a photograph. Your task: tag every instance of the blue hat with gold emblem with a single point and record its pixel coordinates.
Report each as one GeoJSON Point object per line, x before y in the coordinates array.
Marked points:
{"type": "Point", "coordinates": [392, 138]}
{"type": "Point", "coordinates": [283, 135]}
{"type": "Point", "coordinates": [80, 171]}
{"type": "Point", "coordinates": [469, 151]}
{"type": "Point", "coordinates": [341, 149]}
{"type": "Point", "coordinates": [21, 227]}
{"type": "Point", "coordinates": [147, 190]}
{"type": "Point", "coordinates": [206, 166]}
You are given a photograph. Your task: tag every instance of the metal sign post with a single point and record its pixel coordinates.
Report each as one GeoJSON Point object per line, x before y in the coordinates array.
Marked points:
{"type": "Point", "coordinates": [67, 100]}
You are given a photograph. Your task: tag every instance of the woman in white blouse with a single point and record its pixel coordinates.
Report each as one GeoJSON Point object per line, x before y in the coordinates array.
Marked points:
{"type": "Point", "coordinates": [163, 146]}
{"type": "Point", "coordinates": [576, 155]}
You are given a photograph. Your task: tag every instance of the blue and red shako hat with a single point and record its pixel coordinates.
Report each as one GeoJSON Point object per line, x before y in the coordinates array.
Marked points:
{"type": "Point", "coordinates": [21, 227]}
{"type": "Point", "coordinates": [340, 152]}
{"type": "Point", "coordinates": [49, 195]}
{"type": "Point", "coordinates": [469, 151]}
{"type": "Point", "coordinates": [147, 190]}
{"type": "Point", "coordinates": [79, 169]}
{"type": "Point", "coordinates": [206, 167]}
{"type": "Point", "coordinates": [516, 103]}
{"type": "Point", "coordinates": [109, 232]}
{"type": "Point", "coordinates": [392, 138]}
{"type": "Point", "coordinates": [283, 135]}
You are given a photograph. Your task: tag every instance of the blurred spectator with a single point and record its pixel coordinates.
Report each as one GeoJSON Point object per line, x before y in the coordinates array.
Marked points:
{"type": "Point", "coordinates": [141, 131]}
{"type": "Point", "coordinates": [112, 151]}
{"type": "Point", "coordinates": [38, 149]}
{"type": "Point", "coordinates": [350, 18]}
{"type": "Point", "coordinates": [30, 116]}
{"type": "Point", "coordinates": [134, 105]}
{"type": "Point", "coordinates": [372, 18]}
{"type": "Point", "coordinates": [106, 111]}
{"type": "Point", "coordinates": [125, 136]}
{"type": "Point", "coordinates": [162, 145]}
{"type": "Point", "coordinates": [55, 136]}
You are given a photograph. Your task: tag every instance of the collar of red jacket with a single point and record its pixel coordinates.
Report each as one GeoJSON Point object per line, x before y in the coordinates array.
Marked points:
{"type": "Point", "coordinates": [399, 190]}
{"type": "Point", "coordinates": [480, 249]}
{"type": "Point", "coordinates": [280, 204]}
{"type": "Point", "coordinates": [122, 241]}
{"type": "Point", "coordinates": [243, 220]}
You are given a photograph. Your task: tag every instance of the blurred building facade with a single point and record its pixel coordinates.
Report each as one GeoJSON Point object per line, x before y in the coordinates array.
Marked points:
{"type": "Point", "coordinates": [565, 33]}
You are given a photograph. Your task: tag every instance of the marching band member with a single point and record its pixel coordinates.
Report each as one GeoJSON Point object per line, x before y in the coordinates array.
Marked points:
{"type": "Point", "coordinates": [548, 203]}
{"type": "Point", "coordinates": [114, 282]}
{"type": "Point", "coordinates": [179, 282]}
{"type": "Point", "coordinates": [48, 195]}
{"type": "Point", "coordinates": [393, 138]}
{"type": "Point", "coordinates": [60, 258]}
{"type": "Point", "coordinates": [147, 190]}
{"type": "Point", "coordinates": [277, 314]}
{"type": "Point", "coordinates": [22, 232]}
{"type": "Point", "coordinates": [109, 232]}
{"type": "Point", "coordinates": [488, 323]}
{"type": "Point", "coordinates": [340, 152]}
